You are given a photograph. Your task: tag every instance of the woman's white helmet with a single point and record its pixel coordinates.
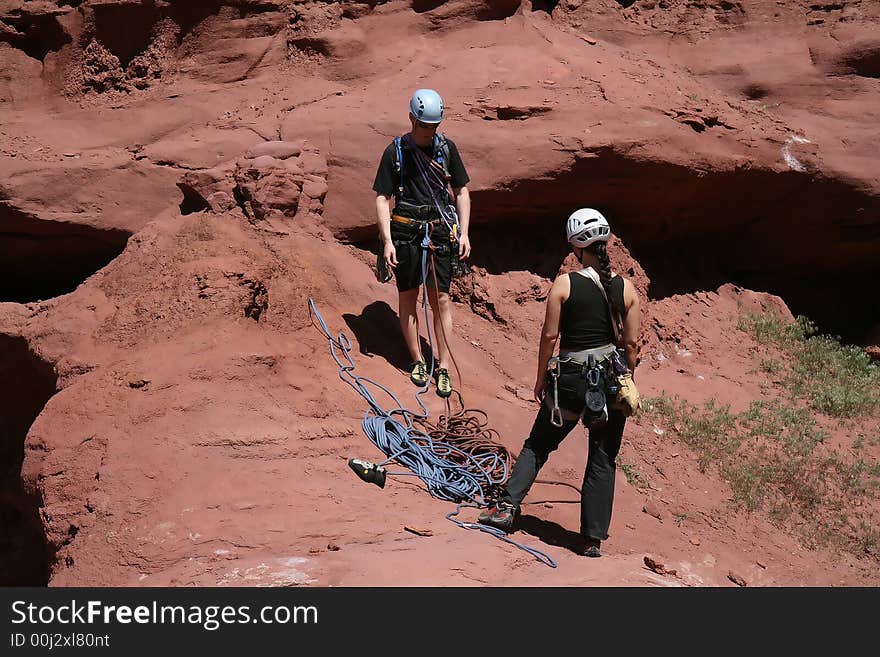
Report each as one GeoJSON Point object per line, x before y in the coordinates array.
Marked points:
{"type": "Point", "coordinates": [427, 106]}
{"type": "Point", "coordinates": [586, 226]}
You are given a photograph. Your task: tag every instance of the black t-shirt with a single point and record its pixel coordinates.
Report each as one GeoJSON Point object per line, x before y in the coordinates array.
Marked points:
{"type": "Point", "coordinates": [585, 322]}
{"type": "Point", "coordinates": [415, 189]}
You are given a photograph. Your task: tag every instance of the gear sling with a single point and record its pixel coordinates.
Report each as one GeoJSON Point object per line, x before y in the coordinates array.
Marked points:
{"type": "Point", "coordinates": [440, 158]}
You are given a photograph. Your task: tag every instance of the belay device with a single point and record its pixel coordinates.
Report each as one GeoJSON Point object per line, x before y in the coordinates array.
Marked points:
{"type": "Point", "coordinates": [595, 403]}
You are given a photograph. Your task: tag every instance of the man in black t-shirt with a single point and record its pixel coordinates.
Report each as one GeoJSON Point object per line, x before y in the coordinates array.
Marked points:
{"type": "Point", "coordinates": [418, 170]}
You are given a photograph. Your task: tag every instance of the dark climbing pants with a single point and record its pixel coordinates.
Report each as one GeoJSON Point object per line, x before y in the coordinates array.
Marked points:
{"type": "Point", "coordinates": [597, 491]}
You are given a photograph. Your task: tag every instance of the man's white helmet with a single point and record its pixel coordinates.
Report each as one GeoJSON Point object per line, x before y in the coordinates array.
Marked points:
{"type": "Point", "coordinates": [586, 226]}
{"type": "Point", "coordinates": [427, 106]}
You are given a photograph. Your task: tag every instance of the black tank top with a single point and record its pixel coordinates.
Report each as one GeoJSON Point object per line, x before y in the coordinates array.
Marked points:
{"type": "Point", "coordinates": [585, 321]}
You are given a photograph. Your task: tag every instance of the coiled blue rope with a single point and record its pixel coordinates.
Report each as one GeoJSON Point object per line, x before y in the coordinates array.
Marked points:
{"type": "Point", "coordinates": [465, 479]}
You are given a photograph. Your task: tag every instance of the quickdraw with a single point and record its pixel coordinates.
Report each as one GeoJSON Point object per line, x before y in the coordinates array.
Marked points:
{"type": "Point", "coordinates": [555, 412]}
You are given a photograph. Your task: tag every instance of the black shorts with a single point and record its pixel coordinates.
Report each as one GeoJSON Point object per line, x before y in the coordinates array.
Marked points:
{"type": "Point", "coordinates": [407, 240]}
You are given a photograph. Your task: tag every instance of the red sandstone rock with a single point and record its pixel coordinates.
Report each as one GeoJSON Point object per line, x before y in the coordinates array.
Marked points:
{"type": "Point", "coordinates": [176, 413]}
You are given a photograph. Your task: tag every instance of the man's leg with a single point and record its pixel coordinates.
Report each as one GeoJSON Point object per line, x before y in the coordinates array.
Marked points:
{"type": "Point", "coordinates": [441, 305]}
{"type": "Point", "coordinates": [409, 322]}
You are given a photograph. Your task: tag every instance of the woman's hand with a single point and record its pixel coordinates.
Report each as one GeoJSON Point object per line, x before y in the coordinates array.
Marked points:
{"type": "Point", "coordinates": [540, 385]}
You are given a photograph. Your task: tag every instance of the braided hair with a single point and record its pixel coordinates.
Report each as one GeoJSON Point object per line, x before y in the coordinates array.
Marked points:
{"type": "Point", "coordinates": [600, 249]}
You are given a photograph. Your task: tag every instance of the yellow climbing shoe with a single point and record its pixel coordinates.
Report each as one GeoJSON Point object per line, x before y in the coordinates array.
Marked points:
{"type": "Point", "coordinates": [419, 373]}
{"type": "Point", "coordinates": [444, 384]}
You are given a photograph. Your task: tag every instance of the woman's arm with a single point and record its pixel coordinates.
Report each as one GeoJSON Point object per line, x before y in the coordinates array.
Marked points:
{"type": "Point", "coordinates": [631, 324]}
{"type": "Point", "coordinates": [550, 332]}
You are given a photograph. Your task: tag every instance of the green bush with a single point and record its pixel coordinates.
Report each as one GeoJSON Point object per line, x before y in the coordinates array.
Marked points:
{"type": "Point", "coordinates": [835, 379]}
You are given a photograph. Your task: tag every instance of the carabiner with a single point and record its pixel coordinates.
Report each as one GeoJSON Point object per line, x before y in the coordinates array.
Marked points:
{"type": "Point", "coordinates": [555, 412]}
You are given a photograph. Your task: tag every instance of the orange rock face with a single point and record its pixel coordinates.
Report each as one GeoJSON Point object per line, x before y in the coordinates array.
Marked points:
{"type": "Point", "coordinates": [178, 179]}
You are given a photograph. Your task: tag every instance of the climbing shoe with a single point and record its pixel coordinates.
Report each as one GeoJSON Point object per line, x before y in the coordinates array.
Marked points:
{"type": "Point", "coordinates": [591, 548]}
{"type": "Point", "coordinates": [444, 384]}
{"type": "Point", "coordinates": [419, 373]}
{"type": "Point", "coordinates": [501, 516]}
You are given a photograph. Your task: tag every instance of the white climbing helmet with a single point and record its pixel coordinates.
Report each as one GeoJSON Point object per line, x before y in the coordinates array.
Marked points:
{"type": "Point", "coordinates": [586, 226]}
{"type": "Point", "coordinates": [427, 106]}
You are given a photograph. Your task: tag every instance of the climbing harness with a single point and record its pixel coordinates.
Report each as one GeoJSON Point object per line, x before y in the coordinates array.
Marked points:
{"type": "Point", "coordinates": [434, 179]}
{"type": "Point", "coordinates": [595, 368]}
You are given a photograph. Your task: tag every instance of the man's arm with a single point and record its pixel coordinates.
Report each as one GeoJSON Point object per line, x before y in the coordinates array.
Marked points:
{"type": "Point", "coordinates": [631, 325]}
{"type": "Point", "coordinates": [550, 331]}
{"type": "Point", "coordinates": [463, 207]}
{"type": "Point", "coordinates": [383, 214]}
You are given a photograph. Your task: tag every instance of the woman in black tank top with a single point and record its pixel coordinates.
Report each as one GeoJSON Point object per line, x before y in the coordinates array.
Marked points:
{"type": "Point", "coordinates": [577, 312]}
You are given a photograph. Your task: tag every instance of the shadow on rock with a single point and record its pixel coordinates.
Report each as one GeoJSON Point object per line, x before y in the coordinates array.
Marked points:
{"type": "Point", "coordinates": [377, 331]}
{"type": "Point", "coordinates": [551, 533]}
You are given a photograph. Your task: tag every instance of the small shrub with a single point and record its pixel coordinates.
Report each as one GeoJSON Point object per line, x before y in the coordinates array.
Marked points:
{"type": "Point", "coordinates": [835, 379]}
{"type": "Point", "coordinates": [633, 476]}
